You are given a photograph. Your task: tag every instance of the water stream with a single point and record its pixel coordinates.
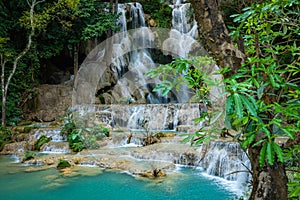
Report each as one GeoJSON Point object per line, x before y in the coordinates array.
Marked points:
{"type": "Point", "coordinates": [95, 183]}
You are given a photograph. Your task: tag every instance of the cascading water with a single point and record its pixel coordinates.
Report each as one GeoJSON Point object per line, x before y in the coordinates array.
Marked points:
{"type": "Point", "coordinates": [131, 117]}
{"type": "Point", "coordinates": [57, 144]}
{"type": "Point", "coordinates": [227, 160]}
{"type": "Point", "coordinates": [137, 62]}
{"type": "Point", "coordinates": [183, 20]}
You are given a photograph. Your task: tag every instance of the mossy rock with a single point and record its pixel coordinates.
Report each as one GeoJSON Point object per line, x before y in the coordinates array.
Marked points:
{"type": "Point", "coordinates": [28, 155]}
{"type": "Point", "coordinates": [25, 123]}
{"type": "Point", "coordinates": [27, 129]}
{"type": "Point", "coordinates": [55, 124]}
{"type": "Point", "coordinates": [62, 164]}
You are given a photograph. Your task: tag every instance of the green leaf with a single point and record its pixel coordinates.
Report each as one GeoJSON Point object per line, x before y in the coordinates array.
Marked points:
{"type": "Point", "coordinates": [262, 155]}
{"type": "Point", "coordinates": [249, 107]}
{"type": "Point", "coordinates": [165, 92]}
{"type": "Point", "coordinates": [229, 105]}
{"type": "Point", "coordinates": [270, 153]}
{"type": "Point", "coordinates": [278, 152]}
{"type": "Point", "coordinates": [258, 143]}
{"type": "Point", "coordinates": [289, 132]}
{"type": "Point", "coordinates": [216, 116]}
{"type": "Point", "coordinates": [238, 105]}
{"type": "Point", "coordinates": [266, 131]}
{"type": "Point", "coordinates": [249, 140]}
{"type": "Point", "coordinates": [260, 91]}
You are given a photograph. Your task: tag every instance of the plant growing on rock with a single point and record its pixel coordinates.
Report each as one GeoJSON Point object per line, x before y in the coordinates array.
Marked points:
{"type": "Point", "coordinates": [28, 155]}
{"type": "Point", "coordinates": [63, 164]}
{"type": "Point", "coordinates": [149, 137]}
{"type": "Point", "coordinates": [79, 134]}
{"type": "Point", "coordinates": [42, 140]}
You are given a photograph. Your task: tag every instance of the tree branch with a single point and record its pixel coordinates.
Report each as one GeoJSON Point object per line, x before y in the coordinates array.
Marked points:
{"type": "Point", "coordinates": [32, 5]}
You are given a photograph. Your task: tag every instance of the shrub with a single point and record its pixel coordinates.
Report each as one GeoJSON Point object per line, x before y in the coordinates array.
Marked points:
{"type": "Point", "coordinates": [63, 164]}
{"type": "Point", "coordinates": [5, 136]}
{"type": "Point", "coordinates": [28, 155]}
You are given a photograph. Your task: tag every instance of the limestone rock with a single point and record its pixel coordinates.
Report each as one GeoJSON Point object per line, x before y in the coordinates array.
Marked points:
{"type": "Point", "coordinates": [14, 148]}
{"type": "Point", "coordinates": [152, 23]}
{"type": "Point", "coordinates": [49, 161]}
{"type": "Point", "coordinates": [156, 173]}
{"type": "Point", "coordinates": [51, 102]}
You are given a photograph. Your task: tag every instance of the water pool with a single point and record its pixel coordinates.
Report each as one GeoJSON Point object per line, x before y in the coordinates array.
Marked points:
{"type": "Point", "coordinates": [186, 183]}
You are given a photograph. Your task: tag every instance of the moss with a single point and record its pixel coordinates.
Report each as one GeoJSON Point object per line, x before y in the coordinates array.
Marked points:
{"type": "Point", "coordinates": [28, 155]}
{"type": "Point", "coordinates": [25, 123]}
{"type": "Point", "coordinates": [27, 129]}
{"type": "Point", "coordinates": [63, 164]}
{"type": "Point", "coordinates": [101, 99]}
{"type": "Point", "coordinates": [5, 137]}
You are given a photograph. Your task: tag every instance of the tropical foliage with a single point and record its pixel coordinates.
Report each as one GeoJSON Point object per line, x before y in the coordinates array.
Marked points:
{"type": "Point", "coordinates": [262, 103]}
{"type": "Point", "coordinates": [81, 134]}
{"type": "Point", "coordinates": [59, 26]}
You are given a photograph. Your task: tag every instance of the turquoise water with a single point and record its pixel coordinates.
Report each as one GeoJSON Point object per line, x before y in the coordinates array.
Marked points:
{"type": "Point", "coordinates": [187, 184]}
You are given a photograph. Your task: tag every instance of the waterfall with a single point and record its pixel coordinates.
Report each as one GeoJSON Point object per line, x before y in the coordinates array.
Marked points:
{"type": "Point", "coordinates": [227, 160]}
{"type": "Point", "coordinates": [115, 69]}
{"type": "Point", "coordinates": [139, 61]}
{"type": "Point", "coordinates": [183, 19]}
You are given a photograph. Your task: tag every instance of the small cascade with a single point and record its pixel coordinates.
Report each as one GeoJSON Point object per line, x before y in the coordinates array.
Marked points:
{"type": "Point", "coordinates": [226, 160]}
{"type": "Point", "coordinates": [57, 144]}
{"type": "Point", "coordinates": [174, 156]}
{"type": "Point", "coordinates": [183, 19]}
{"type": "Point", "coordinates": [55, 147]}
{"type": "Point", "coordinates": [53, 133]}
{"type": "Point", "coordinates": [144, 117]}
{"type": "Point", "coordinates": [126, 140]}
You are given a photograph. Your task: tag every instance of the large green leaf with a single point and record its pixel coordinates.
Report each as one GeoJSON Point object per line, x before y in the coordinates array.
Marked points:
{"type": "Point", "coordinates": [278, 152]}
{"type": "Point", "coordinates": [238, 105]}
{"type": "Point", "coordinates": [270, 153]}
{"type": "Point", "coordinates": [249, 139]}
{"type": "Point", "coordinates": [229, 105]}
{"type": "Point", "coordinates": [249, 106]}
{"type": "Point", "coordinates": [262, 155]}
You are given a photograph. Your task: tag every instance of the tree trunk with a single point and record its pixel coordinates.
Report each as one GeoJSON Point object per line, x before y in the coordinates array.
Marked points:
{"type": "Point", "coordinates": [268, 182]}
{"type": "Point", "coordinates": [214, 34]}
{"type": "Point", "coordinates": [75, 59]}
{"type": "Point", "coordinates": [16, 61]}
{"type": "Point", "coordinates": [3, 111]}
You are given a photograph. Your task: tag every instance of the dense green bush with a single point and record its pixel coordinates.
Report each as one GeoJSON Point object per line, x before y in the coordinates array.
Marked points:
{"type": "Point", "coordinates": [160, 11]}
{"type": "Point", "coordinates": [79, 134]}
{"type": "Point", "coordinates": [5, 136]}
{"type": "Point", "coordinates": [63, 164]}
